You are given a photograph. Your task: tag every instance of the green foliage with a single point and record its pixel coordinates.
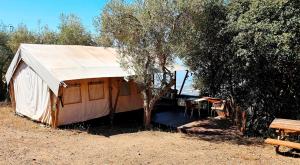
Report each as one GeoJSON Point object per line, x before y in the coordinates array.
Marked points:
{"type": "Point", "coordinates": [5, 57]}
{"type": "Point", "coordinates": [20, 35]}
{"type": "Point", "coordinates": [249, 49]}
{"type": "Point", "coordinates": [72, 32]}
{"type": "Point", "coordinates": [46, 36]}
{"type": "Point", "coordinates": [146, 33]}
{"type": "Point", "coordinates": [206, 53]}
{"type": "Point", "coordinates": [266, 65]}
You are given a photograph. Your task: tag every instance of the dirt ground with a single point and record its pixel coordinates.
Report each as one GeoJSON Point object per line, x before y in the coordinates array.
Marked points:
{"type": "Point", "coordinates": [26, 142]}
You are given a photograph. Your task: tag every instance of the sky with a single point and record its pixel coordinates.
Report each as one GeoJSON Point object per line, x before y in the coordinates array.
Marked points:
{"type": "Point", "coordinates": [29, 12]}
{"type": "Point", "coordinates": [47, 12]}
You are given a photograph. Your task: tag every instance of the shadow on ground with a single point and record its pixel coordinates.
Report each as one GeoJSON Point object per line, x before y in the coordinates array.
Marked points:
{"type": "Point", "coordinates": [128, 122]}
{"type": "Point", "coordinates": [294, 153]}
{"type": "Point", "coordinates": [218, 130]}
{"type": "Point", "coordinates": [212, 130]}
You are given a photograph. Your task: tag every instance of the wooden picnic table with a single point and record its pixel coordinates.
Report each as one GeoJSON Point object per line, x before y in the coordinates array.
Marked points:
{"type": "Point", "coordinates": [284, 127]}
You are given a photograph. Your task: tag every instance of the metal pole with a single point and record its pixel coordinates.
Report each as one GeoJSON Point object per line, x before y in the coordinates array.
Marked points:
{"type": "Point", "coordinates": [182, 85]}
{"type": "Point", "coordinates": [175, 80]}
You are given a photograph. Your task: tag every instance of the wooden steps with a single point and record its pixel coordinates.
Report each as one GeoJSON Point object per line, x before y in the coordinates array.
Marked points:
{"type": "Point", "coordinates": [282, 143]}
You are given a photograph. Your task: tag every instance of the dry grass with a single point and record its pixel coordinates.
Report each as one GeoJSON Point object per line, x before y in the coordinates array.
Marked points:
{"type": "Point", "coordinates": [25, 142]}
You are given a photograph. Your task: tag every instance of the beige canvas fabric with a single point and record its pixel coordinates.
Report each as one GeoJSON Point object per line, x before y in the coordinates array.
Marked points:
{"type": "Point", "coordinates": [32, 97]}
{"type": "Point", "coordinates": [31, 94]}
{"type": "Point", "coordinates": [89, 108]}
{"type": "Point", "coordinates": [58, 63]}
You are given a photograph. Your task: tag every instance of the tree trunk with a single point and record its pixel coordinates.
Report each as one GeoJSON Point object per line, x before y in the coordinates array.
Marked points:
{"type": "Point", "coordinates": [147, 109]}
{"type": "Point", "coordinates": [150, 101]}
{"type": "Point", "coordinates": [147, 117]}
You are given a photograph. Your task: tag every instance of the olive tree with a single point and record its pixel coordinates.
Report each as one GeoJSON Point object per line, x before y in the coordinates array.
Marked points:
{"type": "Point", "coordinates": [206, 47]}
{"type": "Point", "coordinates": [21, 35]}
{"type": "Point", "coordinates": [146, 33]}
{"type": "Point", "coordinates": [5, 57]}
{"type": "Point", "coordinates": [72, 31]}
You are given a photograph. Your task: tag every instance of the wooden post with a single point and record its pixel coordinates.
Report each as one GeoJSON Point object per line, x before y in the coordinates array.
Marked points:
{"type": "Point", "coordinates": [110, 98]}
{"type": "Point", "coordinates": [52, 109]}
{"type": "Point", "coordinates": [115, 104]}
{"type": "Point", "coordinates": [56, 113]}
{"type": "Point", "coordinates": [12, 95]}
{"type": "Point", "coordinates": [55, 108]}
{"type": "Point", "coordinates": [182, 85]}
{"type": "Point", "coordinates": [117, 98]}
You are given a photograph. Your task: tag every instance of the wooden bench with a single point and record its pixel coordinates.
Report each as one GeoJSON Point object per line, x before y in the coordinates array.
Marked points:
{"type": "Point", "coordinates": [284, 127]}
{"type": "Point", "coordinates": [276, 142]}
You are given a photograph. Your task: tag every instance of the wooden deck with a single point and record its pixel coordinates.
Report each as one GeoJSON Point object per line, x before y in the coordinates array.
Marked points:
{"type": "Point", "coordinates": [171, 119]}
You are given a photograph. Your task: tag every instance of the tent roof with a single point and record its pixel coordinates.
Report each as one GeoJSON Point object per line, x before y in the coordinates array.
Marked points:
{"type": "Point", "coordinates": [58, 63]}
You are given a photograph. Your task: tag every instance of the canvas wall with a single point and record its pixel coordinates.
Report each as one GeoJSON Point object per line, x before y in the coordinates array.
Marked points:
{"type": "Point", "coordinates": [31, 94]}
{"type": "Point", "coordinates": [89, 98]}
{"type": "Point", "coordinates": [82, 100]}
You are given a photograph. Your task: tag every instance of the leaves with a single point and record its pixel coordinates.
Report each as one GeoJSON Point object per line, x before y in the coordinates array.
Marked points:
{"type": "Point", "coordinates": [72, 32]}
{"type": "Point", "coordinates": [146, 34]}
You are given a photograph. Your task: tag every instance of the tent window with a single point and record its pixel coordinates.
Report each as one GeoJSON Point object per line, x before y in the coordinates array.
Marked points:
{"type": "Point", "coordinates": [125, 89]}
{"type": "Point", "coordinates": [72, 94]}
{"type": "Point", "coordinates": [96, 90]}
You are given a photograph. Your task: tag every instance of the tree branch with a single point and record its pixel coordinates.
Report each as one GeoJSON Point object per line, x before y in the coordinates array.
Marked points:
{"type": "Point", "coordinates": [162, 92]}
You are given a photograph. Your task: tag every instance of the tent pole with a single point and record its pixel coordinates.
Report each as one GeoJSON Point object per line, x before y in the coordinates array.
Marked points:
{"type": "Point", "coordinates": [116, 102]}
{"type": "Point", "coordinates": [117, 97]}
{"type": "Point", "coordinates": [182, 85]}
{"type": "Point", "coordinates": [110, 99]}
{"type": "Point", "coordinates": [175, 78]}
{"type": "Point", "coordinates": [12, 95]}
{"type": "Point", "coordinates": [52, 110]}
{"type": "Point", "coordinates": [57, 108]}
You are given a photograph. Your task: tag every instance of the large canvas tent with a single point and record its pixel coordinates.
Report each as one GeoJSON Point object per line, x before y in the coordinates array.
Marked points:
{"type": "Point", "coordinates": [64, 84]}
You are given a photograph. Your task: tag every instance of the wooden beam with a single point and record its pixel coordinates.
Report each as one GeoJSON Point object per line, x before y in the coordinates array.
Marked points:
{"type": "Point", "coordinates": [56, 114]}
{"type": "Point", "coordinates": [110, 97]}
{"type": "Point", "coordinates": [182, 85]}
{"type": "Point", "coordinates": [55, 108]}
{"type": "Point", "coordinates": [52, 109]}
{"type": "Point", "coordinates": [12, 95]}
{"type": "Point", "coordinates": [117, 97]}
{"type": "Point", "coordinates": [116, 102]}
